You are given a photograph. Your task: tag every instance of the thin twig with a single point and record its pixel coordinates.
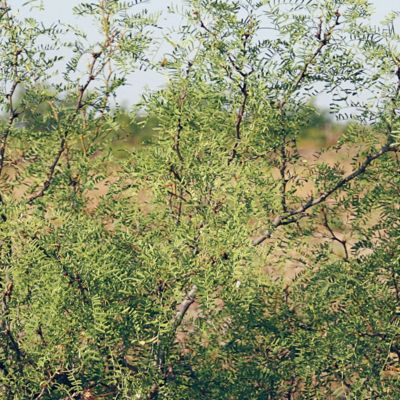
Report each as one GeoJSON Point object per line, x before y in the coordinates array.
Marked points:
{"type": "Point", "coordinates": [342, 242]}
{"type": "Point", "coordinates": [243, 86]}
{"type": "Point", "coordinates": [324, 40]}
{"type": "Point", "coordinates": [92, 75]}
{"type": "Point", "coordinates": [284, 180]}
{"type": "Point", "coordinates": [51, 173]}
{"type": "Point", "coordinates": [239, 120]}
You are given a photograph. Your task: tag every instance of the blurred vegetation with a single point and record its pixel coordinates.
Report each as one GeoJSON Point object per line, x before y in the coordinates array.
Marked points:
{"type": "Point", "coordinates": [135, 129]}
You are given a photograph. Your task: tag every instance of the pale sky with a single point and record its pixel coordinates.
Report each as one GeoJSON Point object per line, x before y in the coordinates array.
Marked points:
{"type": "Point", "coordinates": [61, 10]}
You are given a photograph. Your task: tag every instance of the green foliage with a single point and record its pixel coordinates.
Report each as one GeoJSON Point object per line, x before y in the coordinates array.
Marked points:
{"type": "Point", "coordinates": [220, 260]}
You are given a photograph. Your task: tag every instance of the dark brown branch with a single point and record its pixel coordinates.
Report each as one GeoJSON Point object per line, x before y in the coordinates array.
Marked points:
{"type": "Point", "coordinates": [3, 216]}
{"type": "Point", "coordinates": [334, 237]}
{"type": "Point", "coordinates": [295, 215]}
{"type": "Point", "coordinates": [179, 130]}
{"type": "Point", "coordinates": [324, 40]}
{"type": "Point", "coordinates": [243, 89]}
{"type": "Point", "coordinates": [203, 25]}
{"type": "Point", "coordinates": [318, 35]}
{"type": "Point", "coordinates": [178, 196]}
{"type": "Point", "coordinates": [3, 144]}
{"type": "Point", "coordinates": [239, 120]}
{"type": "Point", "coordinates": [4, 9]}
{"type": "Point", "coordinates": [300, 212]}
{"type": "Point", "coordinates": [5, 324]}
{"type": "Point", "coordinates": [51, 173]}
{"type": "Point", "coordinates": [243, 86]}
{"type": "Point", "coordinates": [177, 148]}
{"type": "Point", "coordinates": [284, 180]}
{"type": "Point", "coordinates": [74, 279]}
{"type": "Point", "coordinates": [92, 75]}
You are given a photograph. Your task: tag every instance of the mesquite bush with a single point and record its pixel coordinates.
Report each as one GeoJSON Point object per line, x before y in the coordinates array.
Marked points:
{"type": "Point", "coordinates": [165, 273]}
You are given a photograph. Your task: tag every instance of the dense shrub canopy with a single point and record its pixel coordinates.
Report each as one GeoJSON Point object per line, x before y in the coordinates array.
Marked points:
{"type": "Point", "coordinates": [224, 258]}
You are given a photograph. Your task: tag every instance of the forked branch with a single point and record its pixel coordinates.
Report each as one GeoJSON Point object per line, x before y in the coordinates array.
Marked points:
{"type": "Point", "coordinates": [295, 215]}
{"type": "Point", "coordinates": [165, 344]}
{"type": "Point", "coordinates": [324, 39]}
{"type": "Point", "coordinates": [80, 104]}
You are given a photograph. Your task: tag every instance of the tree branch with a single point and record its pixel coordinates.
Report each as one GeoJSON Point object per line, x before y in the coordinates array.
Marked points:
{"type": "Point", "coordinates": [51, 173]}
{"type": "Point", "coordinates": [243, 86]}
{"type": "Point", "coordinates": [165, 344]}
{"type": "Point", "coordinates": [92, 75]}
{"type": "Point", "coordinates": [324, 40]}
{"type": "Point", "coordinates": [184, 307]}
{"type": "Point", "coordinates": [335, 237]}
{"type": "Point", "coordinates": [239, 120]}
{"type": "Point", "coordinates": [298, 213]}
{"type": "Point", "coordinates": [12, 112]}
{"type": "Point", "coordinates": [284, 179]}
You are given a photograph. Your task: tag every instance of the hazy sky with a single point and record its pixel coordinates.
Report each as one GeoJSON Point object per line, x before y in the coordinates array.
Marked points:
{"type": "Point", "coordinates": [56, 10]}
